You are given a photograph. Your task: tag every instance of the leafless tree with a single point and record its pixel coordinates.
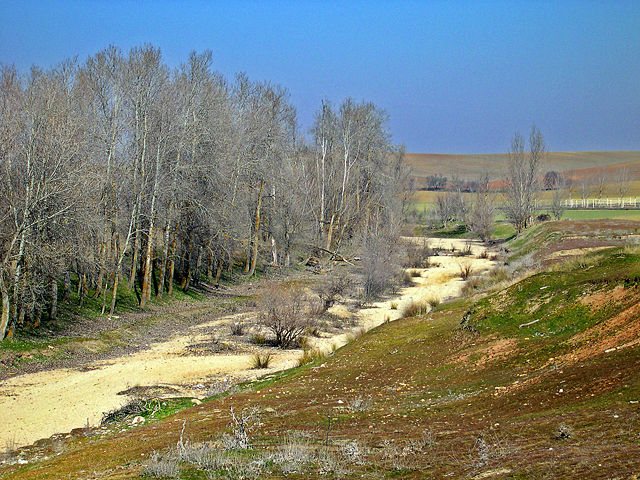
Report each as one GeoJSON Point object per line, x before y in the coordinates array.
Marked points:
{"type": "Point", "coordinates": [482, 215]}
{"type": "Point", "coordinates": [122, 174]}
{"type": "Point", "coordinates": [558, 197]}
{"type": "Point", "coordinates": [523, 178]}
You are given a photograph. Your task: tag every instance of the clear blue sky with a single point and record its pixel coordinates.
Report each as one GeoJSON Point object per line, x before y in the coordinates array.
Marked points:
{"type": "Point", "coordinates": [455, 77]}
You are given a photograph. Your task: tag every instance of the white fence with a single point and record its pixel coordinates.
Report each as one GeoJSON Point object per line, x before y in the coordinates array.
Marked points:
{"type": "Point", "coordinates": [602, 203]}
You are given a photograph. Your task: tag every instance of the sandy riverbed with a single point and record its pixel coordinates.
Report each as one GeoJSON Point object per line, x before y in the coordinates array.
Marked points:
{"type": "Point", "coordinates": [38, 405]}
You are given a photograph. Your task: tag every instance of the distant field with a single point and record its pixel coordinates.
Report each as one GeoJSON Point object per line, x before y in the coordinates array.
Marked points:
{"type": "Point", "coordinates": [602, 214]}
{"type": "Point", "coordinates": [610, 191]}
{"type": "Point", "coordinates": [471, 166]}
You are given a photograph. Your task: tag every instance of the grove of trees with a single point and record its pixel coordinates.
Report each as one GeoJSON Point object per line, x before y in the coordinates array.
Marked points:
{"type": "Point", "coordinates": [123, 170]}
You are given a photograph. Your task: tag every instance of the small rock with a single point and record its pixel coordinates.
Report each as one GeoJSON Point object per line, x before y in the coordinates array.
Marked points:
{"type": "Point", "coordinates": [195, 401]}
{"type": "Point", "coordinates": [137, 420]}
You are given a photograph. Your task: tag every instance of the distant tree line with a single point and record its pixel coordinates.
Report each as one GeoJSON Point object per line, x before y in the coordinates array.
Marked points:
{"type": "Point", "coordinates": [121, 169]}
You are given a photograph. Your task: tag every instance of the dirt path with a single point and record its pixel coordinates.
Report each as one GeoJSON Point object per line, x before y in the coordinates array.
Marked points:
{"type": "Point", "coordinates": [38, 405]}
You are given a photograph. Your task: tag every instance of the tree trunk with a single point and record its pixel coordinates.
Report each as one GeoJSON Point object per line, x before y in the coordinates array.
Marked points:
{"type": "Point", "coordinates": [67, 286]}
{"type": "Point", "coordinates": [254, 254]}
{"type": "Point", "coordinates": [330, 232]}
{"type": "Point", "coordinates": [103, 266]}
{"type": "Point", "coordinates": [53, 308]}
{"type": "Point", "coordinates": [4, 318]}
{"type": "Point", "coordinates": [164, 260]}
{"type": "Point", "coordinates": [146, 275]}
{"type": "Point", "coordinates": [218, 270]}
{"type": "Point", "coordinates": [172, 263]}
{"type": "Point", "coordinates": [134, 258]}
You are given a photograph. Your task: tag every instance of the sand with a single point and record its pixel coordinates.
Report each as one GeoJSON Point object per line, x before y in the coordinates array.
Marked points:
{"type": "Point", "coordinates": [38, 405]}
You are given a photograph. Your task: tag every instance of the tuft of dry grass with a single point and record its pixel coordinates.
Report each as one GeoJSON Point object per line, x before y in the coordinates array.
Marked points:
{"type": "Point", "coordinates": [260, 361]}
{"type": "Point", "coordinates": [465, 270]}
{"type": "Point", "coordinates": [310, 356]}
{"type": "Point", "coordinates": [415, 308]}
{"type": "Point", "coordinates": [237, 329]}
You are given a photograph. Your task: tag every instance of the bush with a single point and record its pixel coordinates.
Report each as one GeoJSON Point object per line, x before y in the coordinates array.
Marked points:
{"type": "Point", "coordinates": [417, 255]}
{"type": "Point", "coordinates": [465, 270]}
{"type": "Point", "coordinates": [563, 431]}
{"type": "Point", "coordinates": [286, 312]}
{"type": "Point", "coordinates": [393, 305]}
{"type": "Point", "coordinates": [474, 284]}
{"type": "Point", "coordinates": [465, 252]}
{"type": "Point", "coordinates": [241, 425]}
{"type": "Point", "coordinates": [309, 356]}
{"type": "Point", "coordinates": [415, 273]}
{"type": "Point", "coordinates": [160, 467]}
{"type": "Point", "coordinates": [261, 361]}
{"type": "Point", "coordinates": [433, 301]}
{"type": "Point", "coordinates": [237, 329]}
{"type": "Point", "coordinates": [258, 339]}
{"type": "Point", "coordinates": [416, 308]}
{"type": "Point", "coordinates": [359, 404]}
{"type": "Point", "coordinates": [330, 289]}
{"type": "Point", "coordinates": [379, 264]}
{"type": "Point", "coordinates": [406, 278]}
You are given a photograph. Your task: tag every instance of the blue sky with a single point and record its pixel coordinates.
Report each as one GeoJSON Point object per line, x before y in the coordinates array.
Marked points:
{"type": "Point", "coordinates": [454, 77]}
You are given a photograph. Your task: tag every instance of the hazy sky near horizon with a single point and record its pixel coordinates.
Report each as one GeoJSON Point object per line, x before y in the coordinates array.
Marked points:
{"type": "Point", "coordinates": [454, 77]}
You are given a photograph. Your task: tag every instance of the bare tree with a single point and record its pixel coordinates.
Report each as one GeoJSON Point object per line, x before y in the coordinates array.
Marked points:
{"type": "Point", "coordinates": [558, 196]}
{"type": "Point", "coordinates": [523, 178]}
{"type": "Point", "coordinates": [482, 215]}
{"type": "Point", "coordinates": [623, 183]}
{"type": "Point", "coordinates": [286, 312]}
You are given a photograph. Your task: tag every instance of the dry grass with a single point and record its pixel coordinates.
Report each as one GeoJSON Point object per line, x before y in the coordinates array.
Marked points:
{"type": "Point", "coordinates": [465, 269]}
{"type": "Point", "coordinates": [260, 361]}
{"type": "Point", "coordinates": [310, 356]}
{"type": "Point", "coordinates": [415, 308]}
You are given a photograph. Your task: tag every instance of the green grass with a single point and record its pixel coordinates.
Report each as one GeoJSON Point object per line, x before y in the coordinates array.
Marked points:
{"type": "Point", "coordinates": [428, 373]}
{"type": "Point", "coordinates": [601, 214]}
{"type": "Point", "coordinates": [552, 299]}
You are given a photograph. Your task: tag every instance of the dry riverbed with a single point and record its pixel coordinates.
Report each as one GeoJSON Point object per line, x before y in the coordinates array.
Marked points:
{"type": "Point", "coordinates": [38, 405]}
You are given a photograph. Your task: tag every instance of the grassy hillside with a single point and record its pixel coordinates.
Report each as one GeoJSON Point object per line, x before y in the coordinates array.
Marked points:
{"type": "Point", "coordinates": [471, 166]}
{"type": "Point", "coordinates": [537, 379]}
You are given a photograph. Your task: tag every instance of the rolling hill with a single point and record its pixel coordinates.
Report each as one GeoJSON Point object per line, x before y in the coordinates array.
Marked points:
{"type": "Point", "coordinates": [471, 166]}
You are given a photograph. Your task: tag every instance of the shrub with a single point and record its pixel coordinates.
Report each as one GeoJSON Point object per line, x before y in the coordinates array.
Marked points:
{"type": "Point", "coordinates": [465, 252]}
{"type": "Point", "coordinates": [498, 275]}
{"type": "Point", "coordinates": [303, 343]}
{"type": "Point", "coordinates": [415, 273]}
{"type": "Point", "coordinates": [286, 312]}
{"type": "Point", "coordinates": [465, 270]}
{"type": "Point", "coordinates": [258, 339]}
{"type": "Point", "coordinates": [241, 425]}
{"type": "Point", "coordinates": [406, 278]}
{"type": "Point", "coordinates": [261, 361]}
{"type": "Point", "coordinates": [379, 264]}
{"type": "Point", "coordinates": [160, 467]}
{"type": "Point", "coordinates": [237, 329]}
{"type": "Point", "coordinates": [359, 404]}
{"type": "Point", "coordinates": [293, 455]}
{"type": "Point", "coordinates": [563, 431]}
{"type": "Point", "coordinates": [309, 356]}
{"type": "Point", "coordinates": [330, 289]}
{"type": "Point", "coordinates": [416, 308]}
{"type": "Point", "coordinates": [417, 255]}
{"type": "Point", "coordinates": [473, 284]}
{"type": "Point", "coordinates": [393, 305]}
{"type": "Point", "coordinates": [433, 301]}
